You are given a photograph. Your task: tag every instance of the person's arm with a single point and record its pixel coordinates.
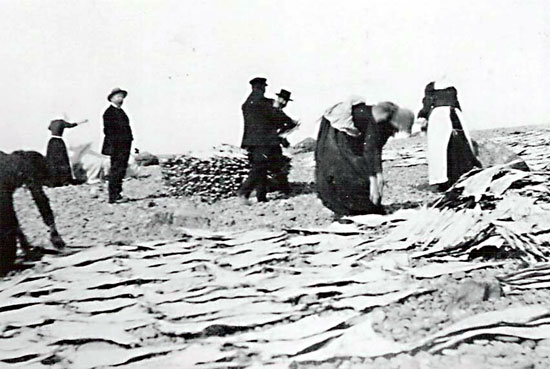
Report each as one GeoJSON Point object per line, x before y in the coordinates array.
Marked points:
{"type": "Point", "coordinates": [25, 245]}
{"type": "Point", "coordinates": [376, 187]}
{"type": "Point", "coordinates": [424, 112]}
{"type": "Point", "coordinates": [380, 182]}
{"type": "Point", "coordinates": [43, 204]}
{"type": "Point", "coordinates": [285, 122]}
{"type": "Point", "coordinates": [375, 192]}
{"type": "Point", "coordinates": [271, 114]}
{"type": "Point", "coordinates": [373, 153]}
{"type": "Point", "coordinates": [71, 125]}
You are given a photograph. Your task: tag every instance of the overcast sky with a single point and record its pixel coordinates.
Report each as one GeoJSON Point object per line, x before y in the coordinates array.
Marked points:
{"type": "Point", "coordinates": [186, 64]}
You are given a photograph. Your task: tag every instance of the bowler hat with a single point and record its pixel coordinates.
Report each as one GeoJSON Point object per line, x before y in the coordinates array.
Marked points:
{"type": "Point", "coordinates": [258, 81]}
{"type": "Point", "coordinates": [285, 95]}
{"type": "Point", "coordinates": [115, 91]}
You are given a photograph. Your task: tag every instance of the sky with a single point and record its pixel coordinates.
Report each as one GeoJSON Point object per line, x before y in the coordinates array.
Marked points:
{"type": "Point", "coordinates": [187, 63]}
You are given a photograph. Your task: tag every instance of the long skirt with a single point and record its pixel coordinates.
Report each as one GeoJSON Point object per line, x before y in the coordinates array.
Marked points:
{"type": "Point", "coordinates": [342, 173]}
{"type": "Point", "coordinates": [59, 163]}
{"type": "Point", "coordinates": [449, 155]}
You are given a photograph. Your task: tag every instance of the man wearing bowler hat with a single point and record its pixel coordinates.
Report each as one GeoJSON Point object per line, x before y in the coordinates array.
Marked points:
{"type": "Point", "coordinates": [261, 138]}
{"type": "Point", "coordinates": [280, 164]}
{"type": "Point", "coordinates": [287, 124]}
{"type": "Point", "coordinates": [117, 143]}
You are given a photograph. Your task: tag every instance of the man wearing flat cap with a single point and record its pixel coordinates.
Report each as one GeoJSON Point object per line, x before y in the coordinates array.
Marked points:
{"type": "Point", "coordinates": [117, 143]}
{"type": "Point", "coordinates": [262, 122]}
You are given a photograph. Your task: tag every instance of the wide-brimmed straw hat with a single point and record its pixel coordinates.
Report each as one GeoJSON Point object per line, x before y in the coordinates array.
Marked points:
{"type": "Point", "coordinates": [115, 91]}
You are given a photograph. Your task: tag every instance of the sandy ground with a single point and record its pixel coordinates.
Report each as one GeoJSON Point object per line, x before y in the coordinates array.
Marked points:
{"type": "Point", "coordinates": [85, 218]}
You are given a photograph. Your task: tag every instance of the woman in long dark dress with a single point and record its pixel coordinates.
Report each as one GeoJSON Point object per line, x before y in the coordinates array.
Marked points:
{"type": "Point", "coordinates": [57, 155]}
{"type": "Point", "coordinates": [349, 167]}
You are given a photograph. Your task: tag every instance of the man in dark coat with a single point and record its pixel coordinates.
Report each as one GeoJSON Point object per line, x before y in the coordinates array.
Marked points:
{"type": "Point", "coordinates": [262, 123]}
{"type": "Point", "coordinates": [20, 168]}
{"type": "Point", "coordinates": [117, 143]}
{"type": "Point", "coordinates": [280, 165]}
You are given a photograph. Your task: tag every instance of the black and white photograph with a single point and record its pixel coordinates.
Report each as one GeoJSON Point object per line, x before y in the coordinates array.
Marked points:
{"type": "Point", "coordinates": [274, 184]}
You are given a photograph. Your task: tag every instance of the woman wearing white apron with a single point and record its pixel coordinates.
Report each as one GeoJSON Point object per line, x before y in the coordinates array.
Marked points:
{"type": "Point", "coordinates": [450, 149]}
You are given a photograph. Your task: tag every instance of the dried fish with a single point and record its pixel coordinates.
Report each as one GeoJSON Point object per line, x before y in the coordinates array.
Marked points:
{"type": "Point", "coordinates": [437, 269]}
{"type": "Point", "coordinates": [211, 176]}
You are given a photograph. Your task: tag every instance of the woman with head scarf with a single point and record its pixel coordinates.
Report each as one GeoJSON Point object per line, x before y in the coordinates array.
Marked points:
{"type": "Point", "coordinates": [348, 155]}
{"type": "Point", "coordinates": [57, 155]}
{"type": "Point", "coordinates": [450, 148]}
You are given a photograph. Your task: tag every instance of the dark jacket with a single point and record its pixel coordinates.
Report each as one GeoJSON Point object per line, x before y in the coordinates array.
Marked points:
{"type": "Point", "coordinates": [23, 168]}
{"type": "Point", "coordinates": [58, 126]}
{"type": "Point", "coordinates": [435, 98]}
{"type": "Point", "coordinates": [118, 134]}
{"type": "Point", "coordinates": [261, 121]}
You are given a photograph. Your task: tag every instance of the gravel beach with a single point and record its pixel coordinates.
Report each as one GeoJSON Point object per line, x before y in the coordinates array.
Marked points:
{"type": "Point", "coordinates": [86, 221]}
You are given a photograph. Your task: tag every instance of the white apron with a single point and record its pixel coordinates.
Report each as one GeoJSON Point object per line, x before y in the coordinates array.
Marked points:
{"type": "Point", "coordinates": [440, 129]}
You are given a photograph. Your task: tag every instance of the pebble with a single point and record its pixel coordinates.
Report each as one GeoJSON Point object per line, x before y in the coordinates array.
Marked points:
{"type": "Point", "coordinates": [498, 348]}
{"type": "Point", "coordinates": [378, 315]}
{"type": "Point", "coordinates": [459, 275]}
{"type": "Point", "coordinates": [398, 331]}
{"type": "Point", "coordinates": [530, 344]}
{"type": "Point", "coordinates": [516, 348]}
{"type": "Point", "coordinates": [507, 338]}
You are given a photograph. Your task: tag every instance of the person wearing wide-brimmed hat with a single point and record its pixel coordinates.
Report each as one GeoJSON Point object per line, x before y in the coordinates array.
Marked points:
{"type": "Point", "coordinates": [117, 143]}
{"type": "Point", "coordinates": [282, 100]}
{"type": "Point", "coordinates": [280, 164]}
